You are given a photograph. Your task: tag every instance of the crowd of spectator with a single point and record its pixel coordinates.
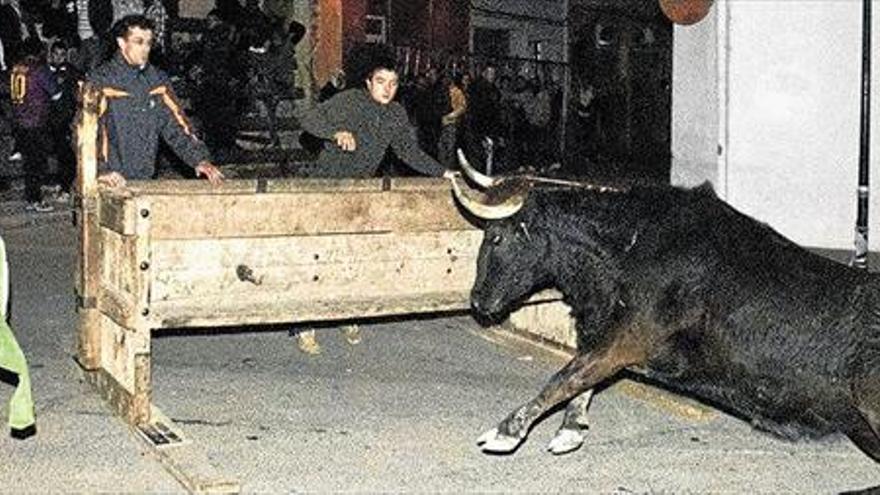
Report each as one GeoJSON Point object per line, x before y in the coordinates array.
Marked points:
{"type": "Point", "coordinates": [245, 59]}
{"type": "Point", "coordinates": [506, 115]}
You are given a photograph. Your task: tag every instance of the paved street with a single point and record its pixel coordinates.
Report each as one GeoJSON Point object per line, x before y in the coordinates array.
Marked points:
{"type": "Point", "coordinates": [398, 412]}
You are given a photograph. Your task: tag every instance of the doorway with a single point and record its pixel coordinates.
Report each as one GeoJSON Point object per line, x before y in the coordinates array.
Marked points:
{"type": "Point", "coordinates": [621, 95]}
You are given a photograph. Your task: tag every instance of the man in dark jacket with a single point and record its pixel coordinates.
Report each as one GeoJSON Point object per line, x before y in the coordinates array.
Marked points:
{"type": "Point", "coordinates": [32, 90]}
{"type": "Point", "coordinates": [483, 121]}
{"type": "Point", "coordinates": [141, 106]}
{"type": "Point", "coordinates": [62, 114]}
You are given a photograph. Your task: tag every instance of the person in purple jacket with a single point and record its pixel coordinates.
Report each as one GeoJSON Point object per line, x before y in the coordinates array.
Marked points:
{"type": "Point", "coordinates": [32, 88]}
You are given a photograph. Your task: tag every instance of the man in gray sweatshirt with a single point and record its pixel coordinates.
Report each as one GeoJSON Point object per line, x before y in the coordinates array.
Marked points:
{"type": "Point", "coordinates": [360, 124]}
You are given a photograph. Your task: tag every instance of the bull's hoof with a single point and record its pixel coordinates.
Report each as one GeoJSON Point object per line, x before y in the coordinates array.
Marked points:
{"type": "Point", "coordinates": [565, 441]}
{"type": "Point", "coordinates": [494, 442]}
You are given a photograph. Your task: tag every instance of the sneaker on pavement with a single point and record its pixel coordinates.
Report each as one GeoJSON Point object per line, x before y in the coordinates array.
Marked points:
{"type": "Point", "coordinates": [308, 343]}
{"type": "Point", "coordinates": [15, 156]}
{"type": "Point", "coordinates": [352, 333]}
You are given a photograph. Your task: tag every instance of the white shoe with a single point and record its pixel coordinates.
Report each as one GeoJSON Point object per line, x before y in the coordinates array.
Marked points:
{"type": "Point", "coordinates": [352, 333]}
{"type": "Point", "coordinates": [40, 207]}
{"type": "Point", "coordinates": [308, 343]}
{"type": "Point", "coordinates": [15, 156]}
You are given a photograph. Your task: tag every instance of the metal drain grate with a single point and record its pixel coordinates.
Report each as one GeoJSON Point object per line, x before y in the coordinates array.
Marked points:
{"type": "Point", "coordinates": [159, 434]}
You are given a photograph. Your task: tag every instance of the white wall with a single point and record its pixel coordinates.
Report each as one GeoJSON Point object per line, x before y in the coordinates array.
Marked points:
{"type": "Point", "coordinates": [785, 113]}
{"type": "Point", "coordinates": [526, 24]}
{"type": "Point", "coordinates": [695, 100]}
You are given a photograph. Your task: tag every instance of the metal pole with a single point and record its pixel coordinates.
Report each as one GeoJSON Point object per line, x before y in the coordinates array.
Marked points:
{"type": "Point", "coordinates": [431, 25]}
{"type": "Point", "coordinates": [860, 257]}
{"type": "Point", "coordinates": [388, 38]}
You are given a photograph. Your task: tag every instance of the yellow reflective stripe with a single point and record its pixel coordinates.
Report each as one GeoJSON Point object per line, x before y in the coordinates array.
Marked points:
{"type": "Point", "coordinates": [107, 92]}
{"type": "Point", "coordinates": [105, 144]}
{"type": "Point", "coordinates": [176, 109]}
{"type": "Point", "coordinates": [113, 92]}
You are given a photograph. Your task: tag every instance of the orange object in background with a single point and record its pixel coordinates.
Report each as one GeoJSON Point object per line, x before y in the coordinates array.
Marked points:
{"type": "Point", "coordinates": [685, 12]}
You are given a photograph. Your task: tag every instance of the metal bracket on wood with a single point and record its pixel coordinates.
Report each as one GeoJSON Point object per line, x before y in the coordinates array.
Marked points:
{"type": "Point", "coordinates": [86, 302]}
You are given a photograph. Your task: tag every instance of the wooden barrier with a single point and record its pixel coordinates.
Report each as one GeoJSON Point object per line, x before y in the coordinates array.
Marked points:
{"type": "Point", "coordinates": [172, 254]}
{"type": "Point", "coordinates": [160, 254]}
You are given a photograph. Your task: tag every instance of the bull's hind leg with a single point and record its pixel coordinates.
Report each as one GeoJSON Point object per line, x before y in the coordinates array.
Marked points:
{"type": "Point", "coordinates": [582, 373]}
{"type": "Point", "coordinates": [571, 433]}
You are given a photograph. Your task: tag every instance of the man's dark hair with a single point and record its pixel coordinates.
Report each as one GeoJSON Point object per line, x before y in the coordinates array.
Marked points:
{"type": "Point", "coordinates": [122, 26]}
{"type": "Point", "coordinates": [367, 58]}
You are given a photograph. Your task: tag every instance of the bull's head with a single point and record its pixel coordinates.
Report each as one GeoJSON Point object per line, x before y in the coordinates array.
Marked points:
{"type": "Point", "coordinates": [510, 265]}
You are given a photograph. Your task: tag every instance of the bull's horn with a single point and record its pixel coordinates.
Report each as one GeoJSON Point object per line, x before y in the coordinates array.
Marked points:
{"type": "Point", "coordinates": [480, 179]}
{"type": "Point", "coordinates": [483, 206]}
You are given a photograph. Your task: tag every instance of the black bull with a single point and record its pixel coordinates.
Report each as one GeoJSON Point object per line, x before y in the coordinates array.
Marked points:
{"type": "Point", "coordinates": [678, 285]}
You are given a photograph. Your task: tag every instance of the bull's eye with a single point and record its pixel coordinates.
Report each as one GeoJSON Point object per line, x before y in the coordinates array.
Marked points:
{"type": "Point", "coordinates": [496, 240]}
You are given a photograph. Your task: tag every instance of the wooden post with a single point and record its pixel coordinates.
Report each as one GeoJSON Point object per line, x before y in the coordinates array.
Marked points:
{"type": "Point", "coordinates": [88, 269]}
{"type": "Point", "coordinates": [122, 304]}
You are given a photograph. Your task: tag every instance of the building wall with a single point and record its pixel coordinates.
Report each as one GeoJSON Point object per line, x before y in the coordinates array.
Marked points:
{"type": "Point", "coordinates": [326, 40]}
{"type": "Point", "coordinates": [775, 92]}
{"type": "Point", "coordinates": [695, 99]}
{"type": "Point", "coordinates": [528, 21]}
{"type": "Point", "coordinates": [194, 8]}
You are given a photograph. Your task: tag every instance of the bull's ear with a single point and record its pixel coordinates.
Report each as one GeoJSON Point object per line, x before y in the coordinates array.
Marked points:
{"type": "Point", "coordinates": [500, 203]}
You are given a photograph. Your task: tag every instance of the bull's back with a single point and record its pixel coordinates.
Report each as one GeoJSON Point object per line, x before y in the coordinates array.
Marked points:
{"type": "Point", "coordinates": [777, 328]}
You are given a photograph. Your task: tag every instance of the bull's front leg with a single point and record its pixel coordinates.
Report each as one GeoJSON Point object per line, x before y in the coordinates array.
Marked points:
{"type": "Point", "coordinates": [581, 374]}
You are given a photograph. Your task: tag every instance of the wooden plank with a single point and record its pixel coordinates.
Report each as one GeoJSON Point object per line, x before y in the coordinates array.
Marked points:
{"type": "Point", "coordinates": [290, 185]}
{"type": "Point", "coordinates": [88, 340]}
{"type": "Point", "coordinates": [335, 186]}
{"type": "Point", "coordinates": [89, 249]}
{"type": "Point", "coordinates": [317, 267]}
{"type": "Point", "coordinates": [118, 213]}
{"type": "Point", "coordinates": [87, 284]}
{"type": "Point", "coordinates": [120, 266]}
{"type": "Point", "coordinates": [551, 321]}
{"type": "Point", "coordinates": [371, 280]}
{"type": "Point", "coordinates": [86, 125]}
{"type": "Point", "coordinates": [419, 184]}
{"type": "Point", "coordinates": [257, 215]}
{"type": "Point", "coordinates": [121, 307]}
{"type": "Point", "coordinates": [133, 408]}
{"type": "Point", "coordinates": [288, 308]}
{"type": "Point", "coordinates": [271, 252]}
{"type": "Point", "coordinates": [189, 187]}
{"type": "Point", "coordinates": [251, 186]}
{"type": "Point", "coordinates": [143, 256]}
{"type": "Point", "coordinates": [120, 347]}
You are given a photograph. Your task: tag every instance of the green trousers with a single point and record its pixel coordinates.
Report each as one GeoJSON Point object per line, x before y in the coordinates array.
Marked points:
{"type": "Point", "coordinates": [21, 405]}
